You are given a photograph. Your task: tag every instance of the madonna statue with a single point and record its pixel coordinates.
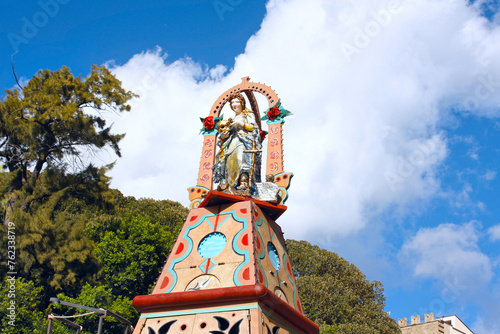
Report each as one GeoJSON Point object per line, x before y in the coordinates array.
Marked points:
{"type": "Point", "coordinates": [237, 168]}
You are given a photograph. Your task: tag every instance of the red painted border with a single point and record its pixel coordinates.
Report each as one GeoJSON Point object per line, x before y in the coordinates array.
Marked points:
{"type": "Point", "coordinates": [214, 197]}
{"type": "Point", "coordinates": [223, 296]}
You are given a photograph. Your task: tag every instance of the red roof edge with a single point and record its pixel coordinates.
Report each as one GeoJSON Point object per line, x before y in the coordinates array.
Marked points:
{"type": "Point", "coordinates": [238, 294]}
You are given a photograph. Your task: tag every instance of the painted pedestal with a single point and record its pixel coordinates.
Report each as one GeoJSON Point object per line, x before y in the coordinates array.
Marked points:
{"type": "Point", "coordinates": [228, 272]}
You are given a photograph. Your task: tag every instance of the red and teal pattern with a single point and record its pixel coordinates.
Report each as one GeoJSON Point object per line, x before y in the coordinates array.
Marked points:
{"type": "Point", "coordinates": [206, 239]}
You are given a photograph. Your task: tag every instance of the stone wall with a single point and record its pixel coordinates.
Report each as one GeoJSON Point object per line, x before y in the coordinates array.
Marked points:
{"type": "Point", "coordinates": [433, 327]}
{"type": "Point", "coordinates": [429, 326]}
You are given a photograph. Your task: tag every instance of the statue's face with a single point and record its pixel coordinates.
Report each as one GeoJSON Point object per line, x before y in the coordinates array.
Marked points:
{"type": "Point", "coordinates": [236, 105]}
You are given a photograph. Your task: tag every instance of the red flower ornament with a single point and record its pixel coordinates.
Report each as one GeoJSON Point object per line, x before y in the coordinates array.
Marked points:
{"type": "Point", "coordinates": [276, 113]}
{"type": "Point", "coordinates": [273, 112]}
{"type": "Point", "coordinates": [262, 135]}
{"type": "Point", "coordinates": [209, 123]}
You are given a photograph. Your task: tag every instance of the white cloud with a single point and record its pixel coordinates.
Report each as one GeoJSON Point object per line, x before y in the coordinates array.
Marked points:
{"type": "Point", "coordinates": [489, 175]}
{"type": "Point", "coordinates": [488, 324]}
{"type": "Point", "coordinates": [364, 136]}
{"type": "Point", "coordinates": [448, 252]}
{"type": "Point", "coordinates": [494, 232]}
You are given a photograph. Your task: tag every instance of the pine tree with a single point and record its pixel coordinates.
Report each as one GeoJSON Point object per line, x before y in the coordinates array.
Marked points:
{"type": "Point", "coordinates": [52, 122]}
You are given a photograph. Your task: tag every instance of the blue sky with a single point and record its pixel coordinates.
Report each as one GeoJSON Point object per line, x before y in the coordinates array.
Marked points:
{"type": "Point", "coordinates": [78, 34]}
{"type": "Point", "coordinates": [393, 141]}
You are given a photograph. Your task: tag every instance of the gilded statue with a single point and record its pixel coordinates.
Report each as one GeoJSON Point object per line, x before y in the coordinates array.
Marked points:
{"type": "Point", "coordinates": [237, 168]}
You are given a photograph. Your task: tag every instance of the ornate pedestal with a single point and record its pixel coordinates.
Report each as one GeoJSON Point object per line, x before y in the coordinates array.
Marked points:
{"type": "Point", "coordinates": [228, 272]}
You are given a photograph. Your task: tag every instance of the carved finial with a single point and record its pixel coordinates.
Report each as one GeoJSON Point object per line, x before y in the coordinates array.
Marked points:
{"type": "Point", "coordinates": [429, 317]}
{"type": "Point", "coordinates": [415, 320]}
{"type": "Point", "coordinates": [402, 322]}
{"type": "Point", "coordinates": [245, 79]}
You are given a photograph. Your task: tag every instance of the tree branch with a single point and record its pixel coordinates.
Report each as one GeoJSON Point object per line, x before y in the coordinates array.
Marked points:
{"type": "Point", "coordinates": [5, 141]}
{"type": "Point", "coordinates": [13, 70]}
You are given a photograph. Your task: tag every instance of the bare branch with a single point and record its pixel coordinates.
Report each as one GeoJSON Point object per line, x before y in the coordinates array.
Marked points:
{"type": "Point", "coordinates": [5, 141]}
{"type": "Point", "coordinates": [13, 70]}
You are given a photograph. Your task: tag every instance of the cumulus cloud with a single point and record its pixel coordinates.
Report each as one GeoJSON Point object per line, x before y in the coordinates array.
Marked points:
{"type": "Point", "coordinates": [365, 135]}
{"type": "Point", "coordinates": [448, 252]}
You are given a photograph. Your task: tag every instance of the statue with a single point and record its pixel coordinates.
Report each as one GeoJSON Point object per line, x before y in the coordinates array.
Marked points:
{"type": "Point", "coordinates": [231, 160]}
{"type": "Point", "coordinates": [237, 168]}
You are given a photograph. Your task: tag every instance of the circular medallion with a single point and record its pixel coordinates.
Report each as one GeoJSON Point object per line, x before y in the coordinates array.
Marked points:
{"type": "Point", "coordinates": [203, 282]}
{"type": "Point", "coordinates": [278, 292]}
{"type": "Point", "coordinates": [273, 167]}
{"type": "Point", "coordinates": [272, 252]}
{"type": "Point", "coordinates": [212, 244]}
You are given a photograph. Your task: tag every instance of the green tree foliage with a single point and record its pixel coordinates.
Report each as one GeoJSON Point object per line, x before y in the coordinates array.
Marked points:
{"type": "Point", "coordinates": [336, 295]}
{"type": "Point", "coordinates": [55, 118]}
{"type": "Point", "coordinates": [28, 318]}
{"type": "Point", "coordinates": [97, 256]}
{"type": "Point", "coordinates": [133, 243]}
{"type": "Point", "coordinates": [51, 247]}
{"type": "Point", "coordinates": [47, 130]}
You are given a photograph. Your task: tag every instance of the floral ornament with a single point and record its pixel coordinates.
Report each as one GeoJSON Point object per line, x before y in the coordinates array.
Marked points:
{"type": "Point", "coordinates": [210, 124]}
{"type": "Point", "coordinates": [262, 135]}
{"type": "Point", "coordinates": [276, 113]}
{"type": "Point", "coordinates": [273, 112]}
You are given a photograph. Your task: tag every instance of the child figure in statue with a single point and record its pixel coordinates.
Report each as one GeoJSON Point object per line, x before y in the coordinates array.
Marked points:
{"type": "Point", "coordinates": [237, 167]}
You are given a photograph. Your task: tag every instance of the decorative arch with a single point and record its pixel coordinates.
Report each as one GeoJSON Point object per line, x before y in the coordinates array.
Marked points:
{"type": "Point", "coordinates": [247, 88]}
